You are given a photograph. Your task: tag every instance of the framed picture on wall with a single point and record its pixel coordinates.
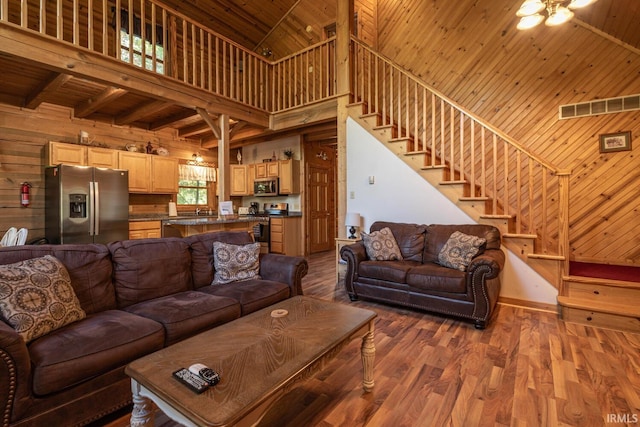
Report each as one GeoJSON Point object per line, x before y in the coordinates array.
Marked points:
{"type": "Point", "coordinates": [610, 142]}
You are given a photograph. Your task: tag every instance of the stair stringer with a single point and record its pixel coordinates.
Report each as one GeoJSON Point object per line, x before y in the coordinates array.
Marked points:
{"type": "Point", "coordinates": [523, 246]}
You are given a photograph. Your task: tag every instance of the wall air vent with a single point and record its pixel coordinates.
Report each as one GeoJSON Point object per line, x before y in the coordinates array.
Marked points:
{"type": "Point", "coordinates": [600, 106]}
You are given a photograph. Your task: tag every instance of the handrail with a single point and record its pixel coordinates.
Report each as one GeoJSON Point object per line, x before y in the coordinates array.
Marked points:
{"type": "Point", "coordinates": [517, 185]}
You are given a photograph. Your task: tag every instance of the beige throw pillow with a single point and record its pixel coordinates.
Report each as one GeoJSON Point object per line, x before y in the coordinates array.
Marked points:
{"type": "Point", "coordinates": [381, 245]}
{"type": "Point", "coordinates": [36, 297]}
{"type": "Point", "coordinates": [459, 250]}
{"type": "Point", "coordinates": [235, 262]}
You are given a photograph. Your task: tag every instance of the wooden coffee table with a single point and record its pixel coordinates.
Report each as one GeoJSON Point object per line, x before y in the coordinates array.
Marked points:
{"type": "Point", "coordinates": [259, 358]}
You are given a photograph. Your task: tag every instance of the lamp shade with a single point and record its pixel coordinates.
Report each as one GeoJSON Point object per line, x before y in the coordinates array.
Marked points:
{"type": "Point", "coordinates": [352, 219]}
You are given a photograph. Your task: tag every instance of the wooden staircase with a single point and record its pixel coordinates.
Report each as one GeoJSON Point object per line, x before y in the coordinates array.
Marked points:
{"type": "Point", "coordinates": [472, 164]}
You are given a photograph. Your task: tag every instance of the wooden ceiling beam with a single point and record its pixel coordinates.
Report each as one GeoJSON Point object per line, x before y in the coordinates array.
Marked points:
{"type": "Point", "coordinates": [209, 121]}
{"type": "Point", "coordinates": [144, 110]}
{"type": "Point", "coordinates": [174, 118]}
{"type": "Point", "coordinates": [195, 129]}
{"type": "Point", "coordinates": [93, 104]}
{"type": "Point", "coordinates": [39, 95]}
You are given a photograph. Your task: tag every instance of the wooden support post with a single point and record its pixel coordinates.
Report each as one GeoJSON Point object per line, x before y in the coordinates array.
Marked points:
{"type": "Point", "coordinates": [344, 24]}
{"type": "Point", "coordinates": [224, 171]}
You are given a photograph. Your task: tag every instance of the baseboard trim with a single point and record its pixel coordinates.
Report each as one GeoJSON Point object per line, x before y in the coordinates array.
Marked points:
{"type": "Point", "coordinates": [532, 305]}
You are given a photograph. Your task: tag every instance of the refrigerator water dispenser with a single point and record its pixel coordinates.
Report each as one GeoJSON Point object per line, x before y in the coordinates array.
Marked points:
{"type": "Point", "coordinates": [77, 205]}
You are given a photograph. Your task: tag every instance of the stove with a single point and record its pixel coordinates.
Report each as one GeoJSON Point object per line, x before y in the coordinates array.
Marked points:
{"type": "Point", "coordinates": [276, 208]}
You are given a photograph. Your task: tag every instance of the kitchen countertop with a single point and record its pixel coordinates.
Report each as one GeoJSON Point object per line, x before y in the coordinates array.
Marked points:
{"type": "Point", "coordinates": [206, 219]}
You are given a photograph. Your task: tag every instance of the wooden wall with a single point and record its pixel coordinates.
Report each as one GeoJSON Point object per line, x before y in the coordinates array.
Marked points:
{"type": "Point", "coordinates": [23, 136]}
{"type": "Point", "coordinates": [472, 52]}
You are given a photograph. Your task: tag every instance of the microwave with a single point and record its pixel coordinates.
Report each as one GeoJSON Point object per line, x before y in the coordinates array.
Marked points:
{"type": "Point", "coordinates": [265, 187]}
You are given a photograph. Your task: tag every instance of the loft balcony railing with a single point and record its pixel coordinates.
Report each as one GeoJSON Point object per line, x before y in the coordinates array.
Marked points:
{"type": "Point", "coordinates": [515, 183]}
{"type": "Point", "coordinates": [149, 35]}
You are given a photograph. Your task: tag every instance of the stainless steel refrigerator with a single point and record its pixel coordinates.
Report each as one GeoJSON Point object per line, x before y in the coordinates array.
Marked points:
{"type": "Point", "coordinates": [86, 205]}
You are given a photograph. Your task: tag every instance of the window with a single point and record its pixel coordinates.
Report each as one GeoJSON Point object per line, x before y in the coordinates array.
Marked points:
{"type": "Point", "coordinates": [137, 52]}
{"type": "Point", "coordinates": [149, 47]}
{"type": "Point", "coordinates": [192, 192]}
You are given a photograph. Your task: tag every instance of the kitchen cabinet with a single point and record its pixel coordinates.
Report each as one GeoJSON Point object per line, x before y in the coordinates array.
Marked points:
{"type": "Point", "coordinates": [289, 174]}
{"type": "Point", "coordinates": [144, 229]}
{"type": "Point", "coordinates": [286, 236]}
{"type": "Point", "coordinates": [267, 169]}
{"type": "Point", "coordinates": [81, 155]}
{"type": "Point", "coordinates": [240, 184]}
{"type": "Point", "coordinates": [164, 175]}
{"type": "Point", "coordinates": [149, 173]}
{"type": "Point", "coordinates": [139, 167]}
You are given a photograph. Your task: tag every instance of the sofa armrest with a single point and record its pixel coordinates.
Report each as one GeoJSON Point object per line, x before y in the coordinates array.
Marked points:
{"type": "Point", "coordinates": [493, 258]}
{"type": "Point", "coordinates": [284, 268]}
{"type": "Point", "coordinates": [353, 254]}
{"type": "Point", "coordinates": [15, 372]}
{"type": "Point", "coordinates": [483, 279]}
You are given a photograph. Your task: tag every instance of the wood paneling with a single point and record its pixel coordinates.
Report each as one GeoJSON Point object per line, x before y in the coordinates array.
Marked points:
{"type": "Point", "coordinates": [23, 138]}
{"type": "Point", "coordinates": [515, 80]}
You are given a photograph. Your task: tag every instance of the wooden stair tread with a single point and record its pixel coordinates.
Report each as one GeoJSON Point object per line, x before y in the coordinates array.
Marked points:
{"type": "Point", "coordinates": [429, 167]}
{"type": "Point", "coordinates": [520, 236]}
{"type": "Point", "coordinates": [412, 153]}
{"type": "Point", "coordinates": [546, 256]}
{"type": "Point", "coordinates": [454, 182]}
{"type": "Point", "coordinates": [400, 139]}
{"type": "Point", "coordinates": [474, 199]}
{"type": "Point", "coordinates": [602, 281]}
{"type": "Point", "coordinates": [368, 115]}
{"type": "Point", "coordinates": [496, 216]}
{"type": "Point", "coordinates": [598, 306]}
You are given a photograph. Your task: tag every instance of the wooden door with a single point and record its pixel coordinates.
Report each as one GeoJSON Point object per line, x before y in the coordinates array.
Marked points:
{"type": "Point", "coordinates": [320, 198]}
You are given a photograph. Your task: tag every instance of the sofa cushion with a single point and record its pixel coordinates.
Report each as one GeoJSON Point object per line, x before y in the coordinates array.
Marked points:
{"type": "Point", "coordinates": [202, 254]}
{"type": "Point", "coordinates": [89, 268]}
{"type": "Point", "coordinates": [234, 263]}
{"type": "Point", "coordinates": [253, 294]}
{"type": "Point", "coordinates": [36, 297]}
{"type": "Point", "coordinates": [438, 234]}
{"type": "Point", "coordinates": [433, 277]}
{"type": "Point", "coordinates": [410, 238]}
{"type": "Point", "coordinates": [93, 346]}
{"type": "Point", "coordinates": [145, 269]}
{"type": "Point", "coordinates": [459, 250]}
{"type": "Point", "coordinates": [381, 245]}
{"type": "Point", "coordinates": [391, 271]}
{"type": "Point", "coordinates": [186, 313]}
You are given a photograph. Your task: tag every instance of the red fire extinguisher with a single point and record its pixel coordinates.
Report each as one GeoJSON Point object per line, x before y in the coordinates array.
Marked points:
{"type": "Point", "coordinates": [24, 194]}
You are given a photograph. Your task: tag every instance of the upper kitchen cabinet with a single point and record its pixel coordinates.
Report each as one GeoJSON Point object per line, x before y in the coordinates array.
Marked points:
{"type": "Point", "coordinates": [240, 180]}
{"type": "Point", "coordinates": [267, 170]}
{"type": "Point", "coordinates": [164, 175]}
{"type": "Point", "coordinates": [81, 155]}
{"type": "Point", "coordinates": [139, 167]}
{"type": "Point", "coordinates": [150, 174]}
{"type": "Point", "coordinates": [289, 174]}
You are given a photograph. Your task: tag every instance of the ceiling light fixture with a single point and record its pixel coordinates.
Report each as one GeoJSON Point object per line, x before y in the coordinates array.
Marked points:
{"type": "Point", "coordinates": [197, 160]}
{"type": "Point", "coordinates": [558, 12]}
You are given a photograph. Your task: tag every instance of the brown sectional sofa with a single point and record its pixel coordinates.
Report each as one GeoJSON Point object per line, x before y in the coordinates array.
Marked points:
{"type": "Point", "coordinates": [420, 281]}
{"type": "Point", "coordinates": [139, 296]}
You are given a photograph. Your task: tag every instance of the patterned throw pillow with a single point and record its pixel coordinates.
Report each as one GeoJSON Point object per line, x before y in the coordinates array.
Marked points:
{"type": "Point", "coordinates": [235, 262]}
{"type": "Point", "coordinates": [459, 250]}
{"type": "Point", "coordinates": [381, 245]}
{"type": "Point", "coordinates": [36, 297]}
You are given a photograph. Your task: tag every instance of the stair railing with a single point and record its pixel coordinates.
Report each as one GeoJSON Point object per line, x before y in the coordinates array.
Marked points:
{"type": "Point", "coordinates": [514, 183]}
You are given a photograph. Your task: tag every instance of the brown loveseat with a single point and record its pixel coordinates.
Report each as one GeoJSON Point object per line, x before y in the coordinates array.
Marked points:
{"type": "Point", "coordinates": [139, 296]}
{"type": "Point", "coordinates": [419, 280]}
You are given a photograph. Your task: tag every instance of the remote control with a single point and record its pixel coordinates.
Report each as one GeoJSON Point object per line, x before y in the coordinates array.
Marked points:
{"type": "Point", "coordinates": [206, 373]}
{"type": "Point", "coordinates": [194, 382]}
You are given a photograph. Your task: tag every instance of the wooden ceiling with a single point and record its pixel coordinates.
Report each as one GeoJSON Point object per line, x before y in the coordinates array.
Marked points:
{"type": "Point", "coordinates": [284, 26]}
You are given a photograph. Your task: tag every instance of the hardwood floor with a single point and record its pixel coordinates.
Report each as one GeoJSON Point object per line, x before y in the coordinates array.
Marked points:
{"type": "Point", "coordinates": [528, 368]}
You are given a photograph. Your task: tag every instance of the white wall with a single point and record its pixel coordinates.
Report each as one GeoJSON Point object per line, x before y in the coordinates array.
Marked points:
{"type": "Point", "coordinates": [399, 194]}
